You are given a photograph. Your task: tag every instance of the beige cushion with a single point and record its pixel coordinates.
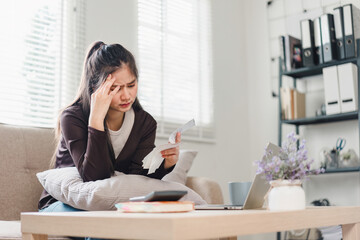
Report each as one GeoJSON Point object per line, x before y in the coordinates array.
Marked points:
{"type": "Point", "coordinates": [24, 151]}
{"type": "Point", "coordinates": [207, 188]}
{"type": "Point", "coordinates": [182, 167]}
{"type": "Point", "coordinates": [66, 185]}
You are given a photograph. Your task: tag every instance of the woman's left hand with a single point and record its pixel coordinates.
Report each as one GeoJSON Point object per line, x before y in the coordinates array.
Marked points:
{"type": "Point", "coordinates": [171, 155]}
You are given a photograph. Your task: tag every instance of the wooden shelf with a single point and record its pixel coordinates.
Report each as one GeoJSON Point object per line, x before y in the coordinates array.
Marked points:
{"type": "Point", "coordinates": [316, 70]}
{"type": "Point", "coordinates": [323, 119]}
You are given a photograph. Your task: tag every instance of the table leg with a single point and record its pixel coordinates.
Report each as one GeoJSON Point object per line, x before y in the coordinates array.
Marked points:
{"type": "Point", "coordinates": [351, 231]}
{"type": "Point", "coordinates": [29, 236]}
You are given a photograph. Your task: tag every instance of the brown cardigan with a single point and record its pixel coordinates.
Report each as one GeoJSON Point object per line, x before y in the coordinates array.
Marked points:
{"type": "Point", "coordinates": [90, 150]}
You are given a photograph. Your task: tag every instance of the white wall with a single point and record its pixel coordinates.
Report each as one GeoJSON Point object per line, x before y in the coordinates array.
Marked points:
{"type": "Point", "coordinates": [262, 107]}
{"type": "Point", "coordinates": [112, 21]}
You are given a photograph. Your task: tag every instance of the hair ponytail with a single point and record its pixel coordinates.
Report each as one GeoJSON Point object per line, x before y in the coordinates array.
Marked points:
{"type": "Point", "coordinates": [57, 131]}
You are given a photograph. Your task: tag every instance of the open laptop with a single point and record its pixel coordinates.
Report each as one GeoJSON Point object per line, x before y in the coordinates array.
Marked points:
{"type": "Point", "coordinates": [256, 194]}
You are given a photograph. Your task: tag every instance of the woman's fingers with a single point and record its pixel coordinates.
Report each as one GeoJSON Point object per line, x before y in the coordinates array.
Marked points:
{"type": "Point", "coordinates": [171, 160]}
{"type": "Point", "coordinates": [166, 155]}
{"type": "Point", "coordinates": [109, 77]}
{"type": "Point", "coordinates": [113, 92]}
{"type": "Point", "coordinates": [170, 152]}
{"type": "Point", "coordinates": [178, 137]}
{"type": "Point", "coordinates": [108, 83]}
{"type": "Point", "coordinates": [105, 86]}
{"type": "Point", "coordinates": [172, 155]}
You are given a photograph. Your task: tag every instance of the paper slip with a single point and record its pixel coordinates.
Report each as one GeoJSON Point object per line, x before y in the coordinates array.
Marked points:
{"type": "Point", "coordinates": [181, 129]}
{"type": "Point", "coordinates": [154, 159]}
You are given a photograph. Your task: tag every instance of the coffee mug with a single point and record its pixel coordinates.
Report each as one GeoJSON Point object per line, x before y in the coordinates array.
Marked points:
{"type": "Point", "coordinates": [238, 192]}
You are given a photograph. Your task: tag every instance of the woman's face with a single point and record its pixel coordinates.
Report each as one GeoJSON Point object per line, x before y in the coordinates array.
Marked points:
{"type": "Point", "coordinates": [125, 97]}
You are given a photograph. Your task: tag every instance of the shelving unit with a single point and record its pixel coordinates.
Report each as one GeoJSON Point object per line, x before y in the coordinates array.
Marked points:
{"type": "Point", "coordinates": [323, 119]}
{"type": "Point", "coordinates": [298, 74]}
{"type": "Point", "coordinates": [341, 170]}
{"type": "Point", "coordinates": [311, 71]}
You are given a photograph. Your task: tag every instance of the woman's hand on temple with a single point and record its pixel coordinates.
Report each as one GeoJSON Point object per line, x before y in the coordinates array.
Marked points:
{"type": "Point", "coordinates": [171, 155]}
{"type": "Point", "coordinates": [100, 102]}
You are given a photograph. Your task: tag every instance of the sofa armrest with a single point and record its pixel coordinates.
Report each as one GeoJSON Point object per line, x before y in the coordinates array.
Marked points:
{"type": "Point", "coordinates": [208, 189]}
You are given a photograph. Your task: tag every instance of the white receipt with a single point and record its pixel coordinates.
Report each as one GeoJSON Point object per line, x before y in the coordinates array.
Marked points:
{"type": "Point", "coordinates": [181, 129]}
{"type": "Point", "coordinates": [154, 159]}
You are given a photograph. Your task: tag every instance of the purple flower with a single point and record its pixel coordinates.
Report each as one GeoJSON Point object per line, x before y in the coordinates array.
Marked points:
{"type": "Point", "coordinates": [291, 163]}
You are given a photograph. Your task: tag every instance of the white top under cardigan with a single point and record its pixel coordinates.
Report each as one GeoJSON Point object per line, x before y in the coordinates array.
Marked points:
{"type": "Point", "coordinates": [119, 137]}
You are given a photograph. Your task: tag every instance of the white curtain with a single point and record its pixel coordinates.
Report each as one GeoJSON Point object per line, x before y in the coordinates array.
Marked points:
{"type": "Point", "coordinates": [42, 46]}
{"type": "Point", "coordinates": [175, 64]}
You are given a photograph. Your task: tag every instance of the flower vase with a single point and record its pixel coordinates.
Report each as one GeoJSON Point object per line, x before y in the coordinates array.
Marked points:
{"type": "Point", "coordinates": [285, 195]}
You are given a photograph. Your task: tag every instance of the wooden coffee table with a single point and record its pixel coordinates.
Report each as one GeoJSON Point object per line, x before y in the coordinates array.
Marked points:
{"type": "Point", "coordinates": [199, 224]}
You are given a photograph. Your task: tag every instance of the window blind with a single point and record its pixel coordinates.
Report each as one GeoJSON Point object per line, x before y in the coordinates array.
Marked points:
{"type": "Point", "coordinates": [175, 64]}
{"type": "Point", "coordinates": [40, 59]}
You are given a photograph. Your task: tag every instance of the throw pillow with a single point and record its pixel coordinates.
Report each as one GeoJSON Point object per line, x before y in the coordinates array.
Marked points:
{"type": "Point", "coordinates": [66, 185]}
{"type": "Point", "coordinates": [182, 167]}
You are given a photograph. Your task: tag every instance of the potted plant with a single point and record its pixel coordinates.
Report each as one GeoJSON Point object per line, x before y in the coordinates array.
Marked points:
{"type": "Point", "coordinates": [285, 172]}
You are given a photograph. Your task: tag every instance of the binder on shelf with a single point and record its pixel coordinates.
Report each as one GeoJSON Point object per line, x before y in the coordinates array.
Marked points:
{"type": "Point", "coordinates": [307, 41]}
{"type": "Point", "coordinates": [282, 52]}
{"type": "Point", "coordinates": [348, 78]}
{"type": "Point", "coordinates": [328, 37]}
{"type": "Point", "coordinates": [290, 49]}
{"type": "Point", "coordinates": [339, 32]}
{"type": "Point", "coordinates": [351, 29]}
{"type": "Point", "coordinates": [319, 56]}
{"type": "Point", "coordinates": [331, 89]}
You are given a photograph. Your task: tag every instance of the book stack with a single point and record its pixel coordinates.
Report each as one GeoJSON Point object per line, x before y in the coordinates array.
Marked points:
{"type": "Point", "coordinates": [292, 104]}
{"type": "Point", "coordinates": [155, 207]}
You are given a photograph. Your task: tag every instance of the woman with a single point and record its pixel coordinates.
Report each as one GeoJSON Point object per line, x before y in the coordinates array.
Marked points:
{"type": "Point", "coordinates": [106, 129]}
